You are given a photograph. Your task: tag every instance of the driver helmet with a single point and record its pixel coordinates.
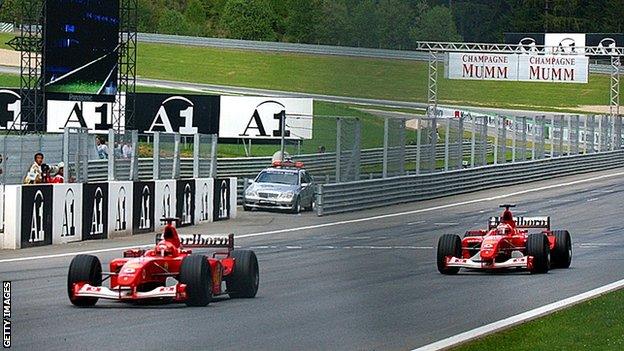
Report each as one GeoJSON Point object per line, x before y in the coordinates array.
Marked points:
{"type": "Point", "coordinates": [503, 229]}
{"type": "Point", "coordinates": [165, 248]}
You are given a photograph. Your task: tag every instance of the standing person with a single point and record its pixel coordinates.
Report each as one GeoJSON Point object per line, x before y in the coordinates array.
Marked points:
{"type": "Point", "coordinates": [58, 177]}
{"type": "Point", "coordinates": [35, 175]}
{"type": "Point", "coordinates": [102, 149]}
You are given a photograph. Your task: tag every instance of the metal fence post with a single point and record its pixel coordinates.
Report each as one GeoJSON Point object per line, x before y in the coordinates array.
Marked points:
{"type": "Point", "coordinates": [418, 141]}
{"type": "Point", "coordinates": [111, 155]}
{"type": "Point", "coordinates": [514, 129]}
{"type": "Point", "coordinates": [384, 171]}
{"type": "Point", "coordinates": [447, 137]}
{"type": "Point", "coordinates": [196, 146]}
{"type": "Point", "coordinates": [338, 151]}
{"type": "Point", "coordinates": [319, 200]}
{"type": "Point", "coordinates": [66, 174]}
{"type": "Point", "coordinates": [569, 134]}
{"type": "Point", "coordinates": [175, 173]}
{"type": "Point", "coordinates": [533, 136]}
{"type": "Point", "coordinates": [134, 158]}
{"type": "Point", "coordinates": [496, 132]}
{"type": "Point", "coordinates": [473, 141]}
{"type": "Point", "coordinates": [357, 149]}
{"type": "Point", "coordinates": [156, 164]}
{"type": "Point", "coordinates": [600, 134]}
{"type": "Point", "coordinates": [213, 155]}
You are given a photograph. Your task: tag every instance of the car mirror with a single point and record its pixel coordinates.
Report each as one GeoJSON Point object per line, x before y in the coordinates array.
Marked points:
{"type": "Point", "coordinates": [304, 185]}
{"type": "Point", "coordinates": [250, 181]}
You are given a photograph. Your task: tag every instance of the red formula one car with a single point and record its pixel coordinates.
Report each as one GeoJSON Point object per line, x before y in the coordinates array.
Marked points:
{"type": "Point", "coordinates": [507, 243]}
{"type": "Point", "coordinates": [168, 272]}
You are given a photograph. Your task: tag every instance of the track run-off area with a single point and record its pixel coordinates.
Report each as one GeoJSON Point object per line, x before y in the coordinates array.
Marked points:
{"type": "Point", "coordinates": [357, 281]}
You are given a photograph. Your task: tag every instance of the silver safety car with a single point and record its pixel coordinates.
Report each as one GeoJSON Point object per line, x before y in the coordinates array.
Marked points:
{"type": "Point", "coordinates": [284, 186]}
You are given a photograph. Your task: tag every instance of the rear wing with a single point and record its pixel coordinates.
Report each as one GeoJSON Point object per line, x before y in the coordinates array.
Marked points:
{"type": "Point", "coordinates": [539, 222]}
{"type": "Point", "coordinates": [204, 241]}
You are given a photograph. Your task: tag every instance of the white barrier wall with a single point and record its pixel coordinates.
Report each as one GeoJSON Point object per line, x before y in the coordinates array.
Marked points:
{"type": "Point", "coordinates": [120, 203]}
{"type": "Point", "coordinates": [165, 206]}
{"type": "Point", "coordinates": [66, 213]}
{"type": "Point", "coordinates": [38, 215]}
{"type": "Point", "coordinates": [204, 200]}
{"type": "Point", "coordinates": [12, 217]}
{"type": "Point", "coordinates": [1, 210]}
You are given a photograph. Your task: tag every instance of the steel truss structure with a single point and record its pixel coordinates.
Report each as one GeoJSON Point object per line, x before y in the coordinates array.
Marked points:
{"type": "Point", "coordinates": [127, 62]}
{"type": "Point", "coordinates": [30, 43]}
{"type": "Point", "coordinates": [439, 48]}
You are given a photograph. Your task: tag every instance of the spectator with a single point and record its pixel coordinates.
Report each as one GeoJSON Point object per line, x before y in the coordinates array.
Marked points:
{"type": "Point", "coordinates": [58, 175]}
{"type": "Point", "coordinates": [45, 173]}
{"type": "Point", "coordinates": [34, 175]}
{"type": "Point", "coordinates": [102, 149]}
{"type": "Point", "coordinates": [126, 150]}
{"type": "Point", "coordinates": [321, 149]}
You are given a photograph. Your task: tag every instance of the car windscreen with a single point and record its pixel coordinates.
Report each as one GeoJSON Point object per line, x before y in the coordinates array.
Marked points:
{"type": "Point", "coordinates": [278, 178]}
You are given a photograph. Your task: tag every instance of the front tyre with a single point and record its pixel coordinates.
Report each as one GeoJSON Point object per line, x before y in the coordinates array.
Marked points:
{"type": "Point", "coordinates": [448, 245]}
{"type": "Point", "coordinates": [562, 252]}
{"type": "Point", "coordinates": [538, 246]}
{"type": "Point", "coordinates": [195, 273]}
{"type": "Point", "coordinates": [84, 269]}
{"type": "Point", "coordinates": [245, 278]}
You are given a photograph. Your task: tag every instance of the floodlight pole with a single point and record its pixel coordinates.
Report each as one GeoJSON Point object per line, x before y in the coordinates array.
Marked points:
{"type": "Point", "coordinates": [432, 96]}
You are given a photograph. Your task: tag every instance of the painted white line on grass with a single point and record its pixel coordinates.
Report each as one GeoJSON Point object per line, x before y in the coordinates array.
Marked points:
{"type": "Point", "coordinates": [520, 318]}
{"type": "Point", "coordinates": [351, 221]}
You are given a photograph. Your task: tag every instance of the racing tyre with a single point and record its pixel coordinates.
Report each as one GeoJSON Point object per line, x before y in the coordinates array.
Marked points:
{"type": "Point", "coordinates": [562, 253]}
{"type": "Point", "coordinates": [244, 280]}
{"type": "Point", "coordinates": [195, 273]}
{"type": "Point", "coordinates": [448, 245]}
{"type": "Point", "coordinates": [538, 247]}
{"type": "Point", "coordinates": [84, 268]}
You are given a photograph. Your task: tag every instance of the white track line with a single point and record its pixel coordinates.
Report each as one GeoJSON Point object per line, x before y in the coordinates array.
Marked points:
{"type": "Point", "coordinates": [520, 318]}
{"type": "Point", "coordinates": [358, 220]}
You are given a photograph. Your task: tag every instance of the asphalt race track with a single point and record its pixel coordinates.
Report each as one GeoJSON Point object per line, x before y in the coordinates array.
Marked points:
{"type": "Point", "coordinates": [358, 285]}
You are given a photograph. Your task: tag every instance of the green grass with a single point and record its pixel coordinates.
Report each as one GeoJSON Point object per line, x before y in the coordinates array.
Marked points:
{"type": "Point", "coordinates": [594, 325]}
{"type": "Point", "coordinates": [75, 87]}
{"type": "Point", "coordinates": [349, 76]}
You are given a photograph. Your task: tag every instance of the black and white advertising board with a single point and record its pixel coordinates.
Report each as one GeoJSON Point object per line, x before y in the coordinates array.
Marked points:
{"type": "Point", "coordinates": [185, 201]}
{"type": "Point", "coordinates": [97, 116]}
{"type": "Point", "coordinates": [565, 43]}
{"type": "Point", "coordinates": [95, 211]}
{"type": "Point", "coordinates": [204, 200]}
{"type": "Point", "coordinates": [2, 208]}
{"type": "Point", "coordinates": [244, 117]}
{"type": "Point", "coordinates": [143, 200]}
{"type": "Point", "coordinates": [184, 114]}
{"type": "Point", "coordinates": [36, 221]}
{"type": "Point", "coordinates": [10, 109]}
{"type": "Point", "coordinates": [224, 199]}
{"type": "Point", "coordinates": [120, 205]}
{"type": "Point", "coordinates": [67, 213]}
{"type": "Point", "coordinates": [165, 206]}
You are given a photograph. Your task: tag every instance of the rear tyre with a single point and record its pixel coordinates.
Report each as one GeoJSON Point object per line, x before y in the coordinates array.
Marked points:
{"type": "Point", "coordinates": [245, 279]}
{"type": "Point", "coordinates": [538, 247]}
{"type": "Point", "coordinates": [562, 252]}
{"type": "Point", "coordinates": [195, 273]}
{"type": "Point", "coordinates": [84, 269]}
{"type": "Point", "coordinates": [448, 245]}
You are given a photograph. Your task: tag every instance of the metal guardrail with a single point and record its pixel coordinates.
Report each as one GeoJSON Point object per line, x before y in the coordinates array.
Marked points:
{"type": "Point", "coordinates": [361, 195]}
{"type": "Point", "coordinates": [311, 49]}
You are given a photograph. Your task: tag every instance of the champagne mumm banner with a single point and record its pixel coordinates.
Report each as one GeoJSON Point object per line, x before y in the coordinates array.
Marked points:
{"type": "Point", "coordinates": [518, 67]}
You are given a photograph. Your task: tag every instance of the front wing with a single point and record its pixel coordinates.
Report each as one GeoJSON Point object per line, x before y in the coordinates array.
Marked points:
{"type": "Point", "coordinates": [176, 292]}
{"type": "Point", "coordinates": [525, 262]}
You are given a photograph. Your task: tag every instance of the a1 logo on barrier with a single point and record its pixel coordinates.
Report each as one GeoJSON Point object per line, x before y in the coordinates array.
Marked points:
{"type": "Point", "coordinates": [143, 200]}
{"type": "Point", "coordinates": [95, 209]}
{"type": "Point", "coordinates": [67, 213]}
{"type": "Point", "coordinates": [36, 216]}
{"type": "Point", "coordinates": [222, 206]}
{"type": "Point", "coordinates": [185, 202]}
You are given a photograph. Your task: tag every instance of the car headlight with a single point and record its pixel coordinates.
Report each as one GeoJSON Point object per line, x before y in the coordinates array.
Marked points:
{"type": "Point", "coordinates": [286, 196]}
{"type": "Point", "coordinates": [251, 192]}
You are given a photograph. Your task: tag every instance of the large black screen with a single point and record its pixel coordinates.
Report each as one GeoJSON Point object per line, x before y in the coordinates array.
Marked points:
{"type": "Point", "coordinates": [81, 46]}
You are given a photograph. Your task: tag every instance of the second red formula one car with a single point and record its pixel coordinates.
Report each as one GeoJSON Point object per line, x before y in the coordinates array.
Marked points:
{"type": "Point", "coordinates": [167, 272]}
{"type": "Point", "coordinates": [507, 243]}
